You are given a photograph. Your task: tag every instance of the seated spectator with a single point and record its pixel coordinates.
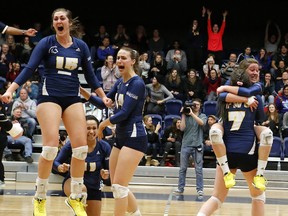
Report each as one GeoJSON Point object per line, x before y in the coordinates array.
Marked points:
{"type": "Point", "coordinates": [153, 141]}
{"type": "Point", "coordinates": [264, 62]}
{"type": "Point", "coordinates": [156, 45]}
{"type": "Point", "coordinates": [28, 111]}
{"type": "Point", "coordinates": [244, 55]}
{"type": "Point", "coordinates": [105, 49]}
{"type": "Point", "coordinates": [23, 140]}
{"type": "Point", "coordinates": [32, 89]}
{"type": "Point", "coordinates": [272, 120]}
{"type": "Point", "coordinates": [172, 138]}
{"type": "Point", "coordinates": [279, 84]}
{"type": "Point", "coordinates": [228, 67]}
{"type": "Point", "coordinates": [210, 63]}
{"type": "Point", "coordinates": [109, 73]}
{"type": "Point", "coordinates": [158, 67]}
{"type": "Point", "coordinates": [13, 72]}
{"type": "Point", "coordinates": [211, 82]}
{"type": "Point", "coordinates": [177, 62]}
{"type": "Point", "coordinates": [269, 89]}
{"type": "Point", "coordinates": [144, 67]}
{"type": "Point", "coordinates": [158, 94]}
{"type": "Point", "coordinates": [194, 87]}
{"type": "Point", "coordinates": [208, 150]}
{"type": "Point", "coordinates": [174, 84]}
{"type": "Point", "coordinates": [282, 101]}
{"type": "Point", "coordinates": [280, 55]}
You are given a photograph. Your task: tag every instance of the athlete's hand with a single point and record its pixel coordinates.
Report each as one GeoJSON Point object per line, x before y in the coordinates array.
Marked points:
{"type": "Point", "coordinates": [6, 97]}
{"type": "Point", "coordinates": [104, 174]}
{"type": "Point", "coordinates": [252, 103]}
{"type": "Point", "coordinates": [107, 101]}
{"type": "Point", "coordinates": [220, 89]}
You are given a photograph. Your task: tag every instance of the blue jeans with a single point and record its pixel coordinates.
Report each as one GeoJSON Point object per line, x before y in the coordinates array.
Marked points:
{"type": "Point", "coordinates": [23, 140]}
{"type": "Point", "coordinates": [197, 156]}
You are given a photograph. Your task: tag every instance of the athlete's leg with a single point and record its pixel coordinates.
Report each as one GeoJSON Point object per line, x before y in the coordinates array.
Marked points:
{"type": "Point", "coordinates": [218, 196]}
{"type": "Point", "coordinates": [258, 196]}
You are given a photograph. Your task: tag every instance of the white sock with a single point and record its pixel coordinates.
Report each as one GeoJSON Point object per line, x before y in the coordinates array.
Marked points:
{"type": "Point", "coordinates": [41, 188]}
{"type": "Point", "coordinates": [76, 187]}
{"type": "Point", "coordinates": [261, 167]}
{"type": "Point", "coordinates": [223, 162]}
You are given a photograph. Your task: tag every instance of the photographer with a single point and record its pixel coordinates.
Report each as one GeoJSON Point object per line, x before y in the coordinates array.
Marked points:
{"type": "Point", "coordinates": [192, 124]}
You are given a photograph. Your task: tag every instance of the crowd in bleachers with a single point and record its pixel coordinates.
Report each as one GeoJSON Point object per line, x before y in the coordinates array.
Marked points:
{"type": "Point", "coordinates": [174, 72]}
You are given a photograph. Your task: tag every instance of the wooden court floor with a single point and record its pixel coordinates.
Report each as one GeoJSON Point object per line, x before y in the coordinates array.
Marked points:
{"type": "Point", "coordinates": [16, 199]}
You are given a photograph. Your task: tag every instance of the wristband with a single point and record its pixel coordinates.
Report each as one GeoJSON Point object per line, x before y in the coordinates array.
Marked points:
{"type": "Point", "coordinates": [251, 100]}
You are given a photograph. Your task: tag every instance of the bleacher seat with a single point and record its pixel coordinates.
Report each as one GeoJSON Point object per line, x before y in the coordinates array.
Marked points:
{"type": "Point", "coordinates": [156, 118]}
{"type": "Point", "coordinates": [168, 119]}
{"type": "Point", "coordinates": [209, 108]}
{"type": "Point", "coordinates": [98, 75]}
{"type": "Point", "coordinates": [277, 148]}
{"type": "Point", "coordinates": [285, 147]}
{"type": "Point", "coordinates": [173, 107]}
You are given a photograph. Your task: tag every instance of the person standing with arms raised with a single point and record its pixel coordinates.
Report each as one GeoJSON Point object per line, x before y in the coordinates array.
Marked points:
{"type": "Point", "coordinates": [59, 98]}
{"type": "Point", "coordinates": [215, 37]}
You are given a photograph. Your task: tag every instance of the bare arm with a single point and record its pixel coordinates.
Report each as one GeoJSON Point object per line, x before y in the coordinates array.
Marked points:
{"type": "Point", "coordinates": [15, 31]}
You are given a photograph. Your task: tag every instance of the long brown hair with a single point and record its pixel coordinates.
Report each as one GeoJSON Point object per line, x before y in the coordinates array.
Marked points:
{"type": "Point", "coordinates": [75, 23]}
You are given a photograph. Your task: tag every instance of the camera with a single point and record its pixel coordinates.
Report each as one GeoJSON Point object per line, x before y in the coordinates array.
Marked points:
{"type": "Point", "coordinates": [187, 106]}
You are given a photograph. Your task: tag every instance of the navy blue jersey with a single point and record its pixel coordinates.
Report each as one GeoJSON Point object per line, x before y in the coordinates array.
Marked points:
{"type": "Point", "coordinates": [61, 67]}
{"type": "Point", "coordinates": [239, 135]}
{"type": "Point", "coordinates": [3, 27]}
{"type": "Point", "coordinates": [129, 99]}
{"type": "Point", "coordinates": [95, 161]}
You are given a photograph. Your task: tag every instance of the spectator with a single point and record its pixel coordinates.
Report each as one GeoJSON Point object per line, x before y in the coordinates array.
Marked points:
{"type": "Point", "coordinates": [172, 138]}
{"type": "Point", "coordinates": [272, 40]}
{"type": "Point", "coordinates": [272, 120]}
{"type": "Point", "coordinates": [215, 37]}
{"type": "Point", "coordinates": [23, 140]}
{"type": "Point", "coordinates": [158, 67]}
{"type": "Point", "coordinates": [28, 107]}
{"type": "Point", "coordinates": [153, 141]}
{"type": "Point", "coordinates": [245, 55]}
{"type": "Point", "coordinates": [158, 94]}
{"type": "Point", "coordinates": [174, 83]}
{"type": "Point", "coordinates": [228, 67]}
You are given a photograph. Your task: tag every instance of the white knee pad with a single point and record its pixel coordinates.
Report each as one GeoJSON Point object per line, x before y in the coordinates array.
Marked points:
{"type": "Point", "coordinates": [261, 197]}
{"type": "Point", "coordinates": [136, 213]}
{"type": "Point", "coordinates": [80, 153]}
{"type": "Point", "coordinates": [15, 130]}
{"type": "Point", "coordinates": [266, 137]}
{"type": "Point", "coordinates": [49, 153]}
{"type": "Point", "coordinates": [216, 136]}
{"type": "Point", "coordinates": [119, 191]}
{"type": "Point", "coordinates": [215, 199]}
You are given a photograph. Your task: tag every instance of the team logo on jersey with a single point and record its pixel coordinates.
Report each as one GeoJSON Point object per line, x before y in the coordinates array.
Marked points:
{"type": "Point", "coordinates": [78, 50]}
{"type": "Point", "coordinates": [53, 50]}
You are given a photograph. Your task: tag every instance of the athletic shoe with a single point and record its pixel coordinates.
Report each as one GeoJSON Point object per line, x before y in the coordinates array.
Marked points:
{"type": "Point", "coordinates": [39, 207]}
{"type": "Point", "coordinates": [200, 195]}
{"type": "Point", "coordinates": [229, 180]}
{"type": "Point", "coordinates": [178, 191]}
{"type": "Point", "coordinates": [2, 183]}
{"type": "Point", "coordinates": [155, 162]}
{"type": "Point", "coordinates": [76, 206]}
{"type": "Point", "coordinates": [260, 182]}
